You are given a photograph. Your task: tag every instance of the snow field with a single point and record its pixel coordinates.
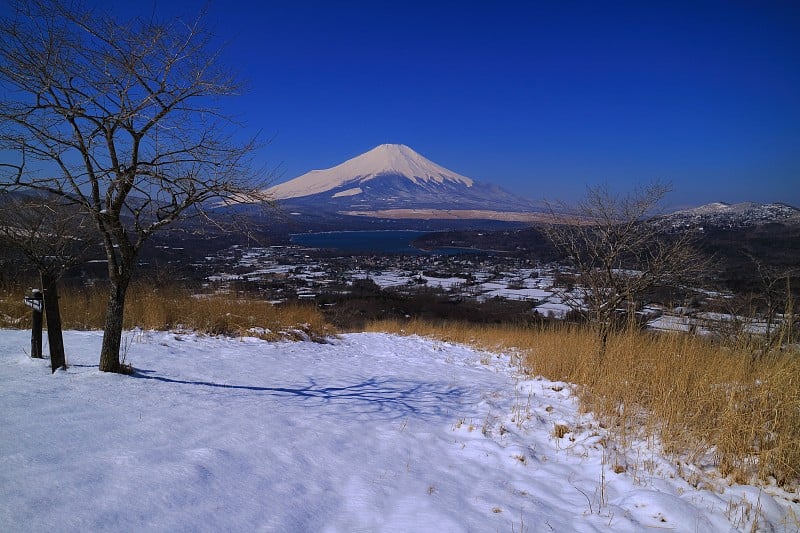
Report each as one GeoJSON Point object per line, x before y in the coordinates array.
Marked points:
{"type": "Point", "coordinates": [371, 432]}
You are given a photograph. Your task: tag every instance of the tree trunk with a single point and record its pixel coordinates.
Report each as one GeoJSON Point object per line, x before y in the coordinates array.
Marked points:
{"type": "Point", "coordinates": [53, 317]}
{"type": "Point", "coordinates": [605, 331]}
{"type": "Point", "coordinates": [112, 334]}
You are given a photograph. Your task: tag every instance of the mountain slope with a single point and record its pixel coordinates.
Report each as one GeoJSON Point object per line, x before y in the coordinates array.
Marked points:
{"type": "Point", "coordinates": [720, 214]}
{"type": "Point", "coordinates": [393, 176]}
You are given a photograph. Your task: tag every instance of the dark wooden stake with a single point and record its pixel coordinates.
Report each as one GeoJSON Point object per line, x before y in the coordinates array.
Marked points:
{"type": "Point", "coordinates": [35, 303]}
{"type": "Point", "coordinates": [53, 314]}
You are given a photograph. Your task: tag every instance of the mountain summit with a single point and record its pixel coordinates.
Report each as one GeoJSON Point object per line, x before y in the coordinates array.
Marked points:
{"type": "Point", "coordinates": [396, 178]}
{"type": "Point", "coordinates": [384, 160]}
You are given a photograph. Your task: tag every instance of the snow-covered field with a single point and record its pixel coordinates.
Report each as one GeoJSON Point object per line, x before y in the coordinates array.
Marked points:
{"type": "Point", "coordinates": [371, 432]}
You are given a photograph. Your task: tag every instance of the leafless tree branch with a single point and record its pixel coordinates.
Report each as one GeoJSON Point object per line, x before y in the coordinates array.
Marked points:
{"type": "Point", "coordinates": [617, 253]}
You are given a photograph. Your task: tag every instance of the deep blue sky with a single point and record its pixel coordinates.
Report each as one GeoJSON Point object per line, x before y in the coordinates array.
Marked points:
{"type": "Point", "coordinates": [540, 98]}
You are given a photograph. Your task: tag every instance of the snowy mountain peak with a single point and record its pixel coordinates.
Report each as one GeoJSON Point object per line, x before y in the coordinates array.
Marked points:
{"type": "Point", "coordinates": [383, 160]}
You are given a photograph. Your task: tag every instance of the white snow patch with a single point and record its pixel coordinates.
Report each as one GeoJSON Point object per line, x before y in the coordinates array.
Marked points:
{"type": "Point", "coordinates": [671, 323]}
{"type": "Point", "coordinates": [349, 192]}
{"type": "Point", "coordinates": [371, 432]}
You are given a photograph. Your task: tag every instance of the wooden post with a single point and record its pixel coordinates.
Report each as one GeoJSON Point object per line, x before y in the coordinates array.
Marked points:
{"type": "Point", "coordinates": [53, 316]}
{"type": "Point", "coordinates": [34, 301]}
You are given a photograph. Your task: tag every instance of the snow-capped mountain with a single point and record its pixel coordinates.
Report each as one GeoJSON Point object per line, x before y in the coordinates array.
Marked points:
{"type": "Point", "coordinates": [721, 214]}
{"type": "Point", "coordinates": [383, 160]}
{"type": "Point", "coordinates": [393, 177]}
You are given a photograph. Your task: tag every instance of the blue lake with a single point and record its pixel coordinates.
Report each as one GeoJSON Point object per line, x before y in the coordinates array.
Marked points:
{"type": "Point", "coordinates": [379, 242]}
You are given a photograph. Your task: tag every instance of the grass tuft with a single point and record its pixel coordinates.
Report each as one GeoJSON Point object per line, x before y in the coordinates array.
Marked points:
{"type": "Point", "coordinates": [560, 431]}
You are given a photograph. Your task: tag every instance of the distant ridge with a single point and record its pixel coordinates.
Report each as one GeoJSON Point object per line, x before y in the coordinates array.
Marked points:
{"type": "Point", "coordinates": [733, 215]}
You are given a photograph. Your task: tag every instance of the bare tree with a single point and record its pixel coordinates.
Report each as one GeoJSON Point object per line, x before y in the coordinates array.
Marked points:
{"type": "Point", "coordinates": [617, 253]}
{"type": "Point", "coordinates": [118, 118]}
{"type": "Point", "coordinates": [775, 295]}
{"type": "Point", "coordinates": [52, 237]}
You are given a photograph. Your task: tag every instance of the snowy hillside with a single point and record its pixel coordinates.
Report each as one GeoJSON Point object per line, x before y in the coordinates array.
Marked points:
{"type": "Point", "coordinates": [368, 433]}
{"type": "Point", "coordinates": [720, 214]}
{"type": "Point", "coordinates": [392, 177]}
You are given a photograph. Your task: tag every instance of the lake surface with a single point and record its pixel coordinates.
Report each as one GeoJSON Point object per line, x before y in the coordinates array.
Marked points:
{"type": "Point", "coordinates": [391, 241]}
{"type": "Point", "coordinates": [379, 242]}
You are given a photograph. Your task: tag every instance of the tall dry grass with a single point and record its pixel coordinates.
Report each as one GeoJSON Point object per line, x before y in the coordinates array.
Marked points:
{"type": "Point", "coordinates": [699, 398]}
{"type": "Point", "coordinates": [178, 308]}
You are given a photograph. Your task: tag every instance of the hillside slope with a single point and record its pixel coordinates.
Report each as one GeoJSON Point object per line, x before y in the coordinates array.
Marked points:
{"type": "Point", "coordinates": [370, 432]}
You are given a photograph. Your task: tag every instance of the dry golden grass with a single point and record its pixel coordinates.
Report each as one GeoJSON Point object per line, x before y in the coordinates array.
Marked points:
{"type": "Point", "coordinates": [149, 308]}
{"type": "Point", "coordinates": [13, 313]}
{"type": "Point", "coordinates": [698, 398]}
{"type": "Point", "coordinates": [177, 308]}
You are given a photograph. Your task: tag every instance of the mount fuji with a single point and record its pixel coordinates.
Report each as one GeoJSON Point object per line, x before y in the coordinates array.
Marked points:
{"type": "Point", "coordinates": [394, 181]}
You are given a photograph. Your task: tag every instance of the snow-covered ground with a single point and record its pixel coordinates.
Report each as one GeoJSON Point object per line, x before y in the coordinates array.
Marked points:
{"type": "Point", "coordinates": [371, 432]}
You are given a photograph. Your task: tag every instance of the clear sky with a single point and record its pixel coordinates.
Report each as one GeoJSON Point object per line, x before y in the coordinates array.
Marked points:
{"type": "Point", "coordinates": [541, 98]}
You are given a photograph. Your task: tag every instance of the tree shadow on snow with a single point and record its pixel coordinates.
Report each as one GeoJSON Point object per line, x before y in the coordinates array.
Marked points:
{"type": "Point", "coordinates": [373, 397]}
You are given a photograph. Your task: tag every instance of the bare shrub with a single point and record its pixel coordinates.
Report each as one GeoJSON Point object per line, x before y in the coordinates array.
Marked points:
{"type": "Point", "coordinates": [617, 254]}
